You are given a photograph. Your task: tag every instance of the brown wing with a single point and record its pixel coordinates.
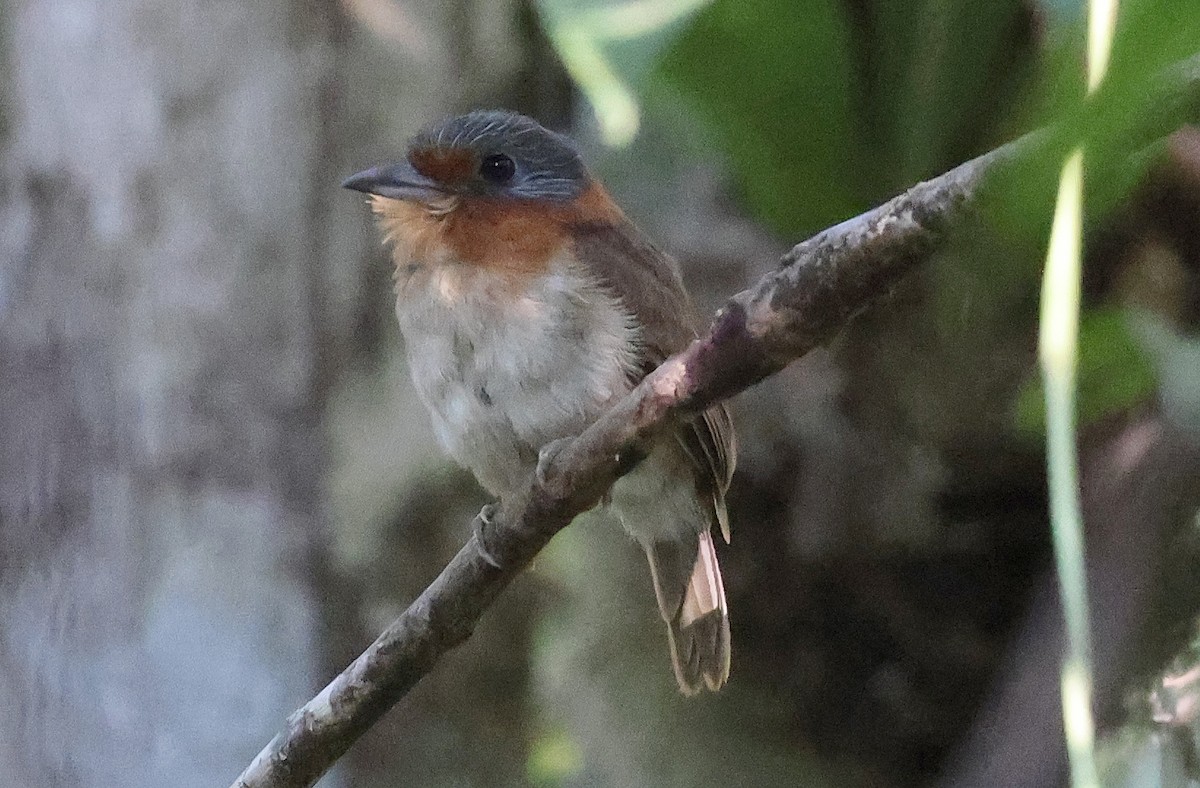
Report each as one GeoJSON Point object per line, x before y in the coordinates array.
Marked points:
{"type": "Point", "coordinates": [648, 283]}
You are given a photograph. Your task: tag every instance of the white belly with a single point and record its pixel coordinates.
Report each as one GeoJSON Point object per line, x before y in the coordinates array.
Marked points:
{"type": "Point", "coordinates": [503, 372]}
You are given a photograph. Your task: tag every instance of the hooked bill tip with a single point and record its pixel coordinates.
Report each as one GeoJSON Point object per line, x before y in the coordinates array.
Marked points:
{"type": "Point", "coordinates": [363, 181]}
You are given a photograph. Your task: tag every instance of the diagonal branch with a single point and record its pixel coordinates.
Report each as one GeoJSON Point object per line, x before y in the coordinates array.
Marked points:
{"type": "Point", "coordinates": [820, 285]}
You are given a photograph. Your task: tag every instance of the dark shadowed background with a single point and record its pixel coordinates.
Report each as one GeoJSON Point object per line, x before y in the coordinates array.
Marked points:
{"type": "Point", "coordinates": [216, 482]}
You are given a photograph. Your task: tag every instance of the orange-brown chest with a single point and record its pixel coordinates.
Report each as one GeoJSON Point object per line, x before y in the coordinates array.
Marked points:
{"type": "Point", "coordinates": [517, 238]}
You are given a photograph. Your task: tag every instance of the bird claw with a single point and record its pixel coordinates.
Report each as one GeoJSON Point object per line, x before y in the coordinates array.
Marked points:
{"type": "Point", "coordinates": [482, 521]}
{"type": "Point", "coordinates": [546, 456]}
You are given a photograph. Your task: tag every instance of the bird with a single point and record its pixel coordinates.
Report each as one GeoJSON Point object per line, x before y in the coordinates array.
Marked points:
{"type": "Point", "coordinates": [529, 304]}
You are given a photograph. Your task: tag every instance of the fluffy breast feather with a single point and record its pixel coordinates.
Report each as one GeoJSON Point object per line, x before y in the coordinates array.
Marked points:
{"type": "Point", "coordinates": [505, 369]}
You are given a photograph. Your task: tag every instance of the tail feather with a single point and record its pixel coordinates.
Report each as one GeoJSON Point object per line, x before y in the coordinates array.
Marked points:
{"type": "Point", "coordinates": [692, 602]}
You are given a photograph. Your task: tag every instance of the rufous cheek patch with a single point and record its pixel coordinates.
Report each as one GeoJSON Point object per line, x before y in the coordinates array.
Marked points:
{"type": "Point", "coordinates": [518, 237]}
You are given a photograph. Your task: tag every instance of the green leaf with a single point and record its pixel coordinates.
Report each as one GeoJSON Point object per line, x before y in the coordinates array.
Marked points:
{"type": "Point", "coordinates": [1114, 374]}
{"type": "Point", "coordinates": [944, 76]}
{"type": "Point", "coordinates": [772, 82]}
{"type": "Point", "coordinates": [608, 48]}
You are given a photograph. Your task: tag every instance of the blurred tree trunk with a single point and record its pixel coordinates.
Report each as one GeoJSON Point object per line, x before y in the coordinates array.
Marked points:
{"type": "Point", "coordinates": [161, 459]}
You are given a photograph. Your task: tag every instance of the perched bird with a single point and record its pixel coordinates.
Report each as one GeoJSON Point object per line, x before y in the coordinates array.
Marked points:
{"type": "Point", "coordinates": [530, 304]}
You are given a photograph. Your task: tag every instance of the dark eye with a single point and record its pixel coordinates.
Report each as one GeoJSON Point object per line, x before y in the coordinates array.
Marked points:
{"type": "Point", "coordinates": [497, 168]}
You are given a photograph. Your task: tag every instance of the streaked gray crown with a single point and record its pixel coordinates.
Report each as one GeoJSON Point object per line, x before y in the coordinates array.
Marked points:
{"type": "Point", "coordinates": [548, 166]}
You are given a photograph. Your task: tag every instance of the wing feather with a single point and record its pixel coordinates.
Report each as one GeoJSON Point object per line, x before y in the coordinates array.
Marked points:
{"type": "Point", "coordinates": [648, 283]}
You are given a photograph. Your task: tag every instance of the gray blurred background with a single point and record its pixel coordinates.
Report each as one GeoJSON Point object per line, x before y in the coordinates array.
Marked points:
{"type": "Point", "coordinates": [216, 483]}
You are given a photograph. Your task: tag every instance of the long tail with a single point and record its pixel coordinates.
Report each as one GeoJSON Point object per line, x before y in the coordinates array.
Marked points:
{"type": "Point", "coordinates": [691, 598]}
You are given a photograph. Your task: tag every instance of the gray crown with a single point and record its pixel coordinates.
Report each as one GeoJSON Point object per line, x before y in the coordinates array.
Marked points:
{"type": "Point", "coordinates": [548, 166]}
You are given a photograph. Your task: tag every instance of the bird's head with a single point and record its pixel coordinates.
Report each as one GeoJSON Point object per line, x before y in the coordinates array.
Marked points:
{"type": "Point", "coordinates": [490, 188]}
{"type": "Point", "coordinates": [483, 154]}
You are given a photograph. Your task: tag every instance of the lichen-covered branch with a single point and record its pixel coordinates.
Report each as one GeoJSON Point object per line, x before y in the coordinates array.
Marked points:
{"type": "Point", "coordinates": [819, 286]}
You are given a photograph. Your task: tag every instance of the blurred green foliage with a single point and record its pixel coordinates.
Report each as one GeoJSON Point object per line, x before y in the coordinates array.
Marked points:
{"type": "Point", "coordinates": [825, 108]}
{"type": "Point", "coordinates": [607, 48]}
{"type": "Point", "coordinates": [554, 758]}
{"type": "Point", "coordinates": [774, 83]}
{"type": "Point", "coordinates": [1114, 373]}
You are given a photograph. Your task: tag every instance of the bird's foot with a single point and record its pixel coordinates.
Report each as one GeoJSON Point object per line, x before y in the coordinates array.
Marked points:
{"type": "Point", "coordinates": [481, 526]}
{"type": "Point", "coordinates": [547, 454]}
